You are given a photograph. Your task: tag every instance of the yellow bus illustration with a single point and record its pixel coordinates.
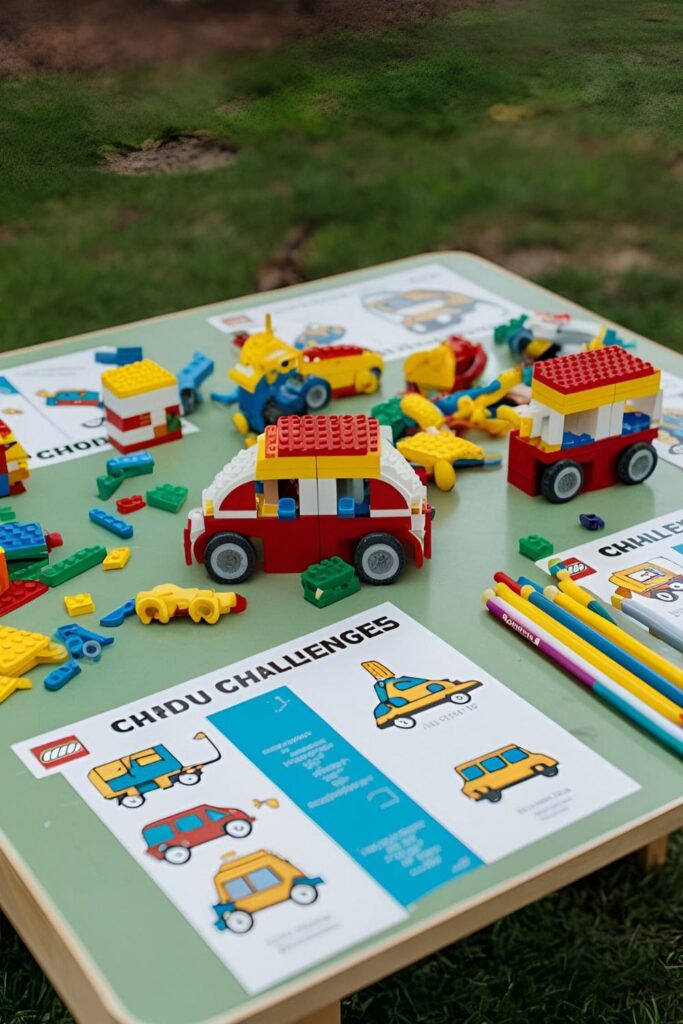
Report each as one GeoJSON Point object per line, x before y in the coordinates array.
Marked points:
{"type": "Point", "coordinates": [650, 579]}
{"type": "Point", "coordinates": [246, 885]}
{"type": "Point", "coordinates": [485, 777]}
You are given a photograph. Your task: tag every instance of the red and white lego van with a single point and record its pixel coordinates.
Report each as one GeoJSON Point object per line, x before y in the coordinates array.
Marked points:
{"type": "Point", "coordinates": [310, 488]}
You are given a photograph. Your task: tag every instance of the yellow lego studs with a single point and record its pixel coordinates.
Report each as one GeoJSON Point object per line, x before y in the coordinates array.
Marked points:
{"type": "Point", "coordinates": [79, 604]}
{"type": "Point", "coordinates": [8, 684]}
{"type": "Point", "coordinates": [137, 379]}
{"type": "Point", "coordinates": [21, 650]}
{"type": "Point", "coordinates": [117, 558]}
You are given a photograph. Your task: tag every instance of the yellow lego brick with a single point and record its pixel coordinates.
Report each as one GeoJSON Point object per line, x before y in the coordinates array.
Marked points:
{"type": "Point", "coordinates": [641, 388]}
{"type": "Point", "coordinates": [117, 558]}
{"type": "Point", "coordinates": [418, 408]}
{"type": "Point", "coordinates": [79, 604]}
{"type": "Point", "coordinates": [208, 508]}
{"type": "Point", "coordinates": [543, 446]}
{"type": "Point", "coordinates": [8, 684]}
{"type": "Point", "coordinates": [21, 650]}
{"type": "Point", "coordinates": [137, 378]}
{"type": "Point", "coordinates": [580, 401]}
{"type": "Point", "coordinates": [282, 468]}
{"type": "Point", "coordinates": [348, 467]}
{"type": "Point", "coordinates": [428, 449]}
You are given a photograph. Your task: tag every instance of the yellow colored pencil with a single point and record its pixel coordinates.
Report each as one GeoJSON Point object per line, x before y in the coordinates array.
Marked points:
{"type": "Point", "coordinates": [585, 650]}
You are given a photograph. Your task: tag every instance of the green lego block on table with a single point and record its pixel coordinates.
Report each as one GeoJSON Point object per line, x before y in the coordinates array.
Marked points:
{"type": "Point", "coordinates": [328, 581]}
{"type": "Point", "coordinates": [28, 572]}
{"type": "Point", "coordinates": [106, 485]}
{"type": "Point", "coordinates": [74, 565]}
{"type": "Point", "coordinates": [389, 414]}
{"type": "Point", "coordinates": [534, 546]}
{"type": "Point", "coordinates": [169, 497]}
{"type": "Point", "coordinates": [7, 514]}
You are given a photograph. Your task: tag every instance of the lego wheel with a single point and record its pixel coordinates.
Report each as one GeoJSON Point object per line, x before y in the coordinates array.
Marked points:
{"type": "Point", "coordinates": [229, 558]}
{"type": "Point", "coordinates": [304, 894]}
{"type": "Point", "coordinates": [152, 608]}
{"type": "Point", "coordinates": [562, 481]}
{"type": "Point", "coordinates": [204, 609]}
{"type": "Point", "coordinates": [189, 778]}
{"type": "Point", "coordinates": [318, 395]}
{"type": "Point", "coordinates": [238, 921]}
{"type": "Point", "coordinates": [460, 698]}
{"type": "Point", "coordinates": [238, 828]}
{"type": "Point", "coordinates": [132, 801]}
{"type": "Point", "coordinates": [636, 463]}
{"type": "Point", "coordinates": [404, 722]}
{"type": "Point", "coordinates": [379, 559]}
{"type": "Point", "coordinates": [177, 854]}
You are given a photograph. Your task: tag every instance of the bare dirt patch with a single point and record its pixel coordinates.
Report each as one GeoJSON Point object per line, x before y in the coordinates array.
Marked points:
{"type": "Point", "coordinates": [189, 151]}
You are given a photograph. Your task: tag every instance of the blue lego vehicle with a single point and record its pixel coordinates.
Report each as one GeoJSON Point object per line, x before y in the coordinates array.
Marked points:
{"type": "Point", "coordinates": [288, 394]}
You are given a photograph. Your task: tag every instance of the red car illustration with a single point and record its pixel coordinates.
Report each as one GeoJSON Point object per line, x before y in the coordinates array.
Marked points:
{"type": "Point", "coordinates": [171, 839]}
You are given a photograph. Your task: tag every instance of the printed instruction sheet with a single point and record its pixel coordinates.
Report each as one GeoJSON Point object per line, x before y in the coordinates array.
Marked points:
{"type": "Point", "coordinates": [393, 314]}
{"type": "Point", "coordinates": [642, 564]}
{"type": "Point", "coordinates": [669, 443]}
{"type": "Point", "coordinates": [308, 797]}
{"type": "Point", "coordinates": [53, 407]}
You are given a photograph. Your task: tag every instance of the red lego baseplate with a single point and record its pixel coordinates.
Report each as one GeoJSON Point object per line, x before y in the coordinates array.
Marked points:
{"type": "Point", "coordinates": [297, 436]}
{"type": "Point", "coordinates": [20, 592]}
{"type": "Point", "coordinates": [597, 368]}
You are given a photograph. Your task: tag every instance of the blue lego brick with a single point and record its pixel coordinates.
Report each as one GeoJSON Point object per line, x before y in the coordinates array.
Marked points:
{"type": "Point", "coordinates": [570, 440]}
{"type": "Point", "coordinates": [195, 373]}
{"type": "Point", "coordinates": [4, 485]}
{"type": "Point", "coordinates": [74, 629]}
{"type": "Point", "coordinates": [120, 356]}
{"type": "Point", "coordinates": [111, 523]}
{"type": "Point", "coordinates": [18, 538]}
{"type": "Point", "coordinates": [118, 615]}
{"type": "Point", "coordinates": [634, 422]}
{"type": "Point", "coordinates": [59, 677]}
{"type": "Point", "coordinates": [591, 521]}
{"type": "Point", "coordinates": [136, 464]}
{"type": "Point", "coordinates": [286, 508]}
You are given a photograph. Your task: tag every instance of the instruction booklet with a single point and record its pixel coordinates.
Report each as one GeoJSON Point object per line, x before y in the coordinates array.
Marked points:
{"type": "Point", "coordinates": [308, 797]}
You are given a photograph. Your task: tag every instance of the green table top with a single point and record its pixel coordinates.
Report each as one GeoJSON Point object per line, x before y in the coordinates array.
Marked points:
{"type": "Point", "coordinates": [130, 930]}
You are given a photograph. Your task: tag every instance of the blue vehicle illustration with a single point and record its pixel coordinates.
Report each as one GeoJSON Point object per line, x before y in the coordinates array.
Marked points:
{"type": "Point", "coordinates": [129, 778]}
{"type": "Point", "coordinates": [319, 334]}
{"type": "Point", "coordinates": [671, 430]}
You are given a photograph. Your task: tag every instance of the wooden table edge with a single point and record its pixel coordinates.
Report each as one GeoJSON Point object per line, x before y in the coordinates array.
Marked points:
{"type": "Point", "coordinates": [81, 985]}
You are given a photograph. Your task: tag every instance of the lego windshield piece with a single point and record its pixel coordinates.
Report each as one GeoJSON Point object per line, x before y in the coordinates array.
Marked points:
{"type": "Point", "coordinates": [310, 797]}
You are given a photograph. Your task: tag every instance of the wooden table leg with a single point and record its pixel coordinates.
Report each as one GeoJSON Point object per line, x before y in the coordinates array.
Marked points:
{"type": "Point", "coordinates": [328, 1015]}
{"type": "Point", "coordinates": [653, 855]}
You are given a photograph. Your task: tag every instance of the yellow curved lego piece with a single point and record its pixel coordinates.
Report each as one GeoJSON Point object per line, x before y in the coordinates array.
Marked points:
{"type": "Point", "coordinates": [427, 449]}
{"type": "Point", "coordinates": [425, 413]}
{"type": "Point", "coordinates": [433, 370]}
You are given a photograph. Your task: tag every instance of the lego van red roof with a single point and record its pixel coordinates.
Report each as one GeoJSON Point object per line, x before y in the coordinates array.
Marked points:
{"type": "Point", "coordinates": [296, 436]}
{"type": "Point", "coordinates": [597, 368]}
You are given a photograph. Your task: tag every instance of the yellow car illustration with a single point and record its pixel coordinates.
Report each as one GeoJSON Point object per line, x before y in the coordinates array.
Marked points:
{"type": "Point", "coordinates": [650, 580]}
{"type": "Point", "coordinates": [168, 601]}
{"type": "Point", "coordinates": [249, 884]}
{"type": "Point", "coordinates": [485, 777]}
{"type": "Point", "coordinates": [402, 697]}
{"type": "Point", "coordinates": [421, 309]}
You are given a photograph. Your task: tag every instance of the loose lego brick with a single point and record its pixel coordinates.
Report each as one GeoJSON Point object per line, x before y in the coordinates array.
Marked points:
{"type": "Point", "coordinates": [107, 485]}
{"type": "Point", "coordinates": [7, 514]}
{"type": "Point", "coordinates": [53, 540]}
{"type": "Point", "coordinates": [59, 677]}
{"type": "Point", "coordinates": [20, 592]}
{"type": "Point", "coordinates": [118, 615]}
{"type": "Point", "coordinates": [8, 685]}
{"type": "Point", "coordinates": [74, 565]}
{"type": "Point", "coordinates": [591, 521]}
{"type": "Point", "coordinates": [30, 571]}
{"type": "Point", "coordinates": [111, 523]}
{"type": "Point", "coordinates": [21, 650]}
{"type": "Point", "coordinates": [79, 604]}
{"type": "Point", "coordinates": [169, 497]}
{"type": "Point", "coordinates": [329, 581]}
{"type": "Point", "coordinates": [77, 637]}
{"type": "Point", "coordinates": [137, 464]}
{"type": "Point", "coordinates": [121, 356]}
{"type": "Point", "coordinates": [117, 558]}
{"type": "Point", "coordinates": [22, 540]}
{"type": "Point", "coordinates": [130, 504]}
{"type": "Point", "coordinates": [534, 546]}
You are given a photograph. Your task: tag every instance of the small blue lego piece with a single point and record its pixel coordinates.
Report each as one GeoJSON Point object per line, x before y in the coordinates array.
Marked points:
{"type": "Point", "coordinates": [190, 379]}
{"type": "Point", "coordinates": [135, 464]}
{"type": "Point", "coordinates": [92, 650]}
{"type": "Point", "coordinates": [570, 440]}
{"type": "Point", "coordinates": [116, 618]}
{"type": "Point", "coordinates": [591, 521]}
{"type": "Point", "coordinates": [286, 508]}
{"type": "Point", "coordinates": [59, 677]}
{"type": "Point", "coordinates": [15, 537]}
{"type": "Point", "coordinates": [73, 630]}
{"type": "Point", "coordinates": [346, 508]}
{"type": "Point", "coordinates": [120, 356]}
{"type": "Point", "coordinates": [111, 523]}
{"type": "Point", "coordinates": [633, 422]}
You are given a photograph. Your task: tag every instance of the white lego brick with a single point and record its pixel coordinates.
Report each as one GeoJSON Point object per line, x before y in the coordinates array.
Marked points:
{"type": "Point", "coordinates": [616, 418]}
{"type": "Point", "coordinates": [141, 435]}
{"type": "Point", "coordinates": [327, 497]}
{"type": "Point", "coordinates": [308, 497]}
{"type": "Point", "coordinates": [395, 470]}
{"type": "Point", "coordinates": [147, 401]}
{"type": "Point", "coordinates": [240, 470]}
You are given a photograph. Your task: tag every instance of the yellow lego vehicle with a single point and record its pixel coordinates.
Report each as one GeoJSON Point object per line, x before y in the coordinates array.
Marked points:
{"type": "Point", "coordinates": [439, 452]}
{"type": "Point", "coordinates": [128, 779]}
{"type": "Point", "coordinates": [249, 884]}
{"type": "Point", "coordinates": [484, 778]}
{"type": "Point", "coordinates": [168, 601]}
{"type": "Point", "coordinates": [650, 580]}
{"type": "Point", "coordinates": [402, 697]}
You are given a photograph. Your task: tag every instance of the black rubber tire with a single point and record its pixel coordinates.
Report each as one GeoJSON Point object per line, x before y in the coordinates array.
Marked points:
{"type": "Point", "coordinates": [237, 541]}
{"type": "Point", "coordinates": [642, 451]}
{"type": "Point", "coordinates": [375, 540]}
{"type": "Point", "coordinates": [550, 477]}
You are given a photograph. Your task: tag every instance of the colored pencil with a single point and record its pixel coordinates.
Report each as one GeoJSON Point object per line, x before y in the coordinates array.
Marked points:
{"type": "Point", "coordinates": [568, 586]}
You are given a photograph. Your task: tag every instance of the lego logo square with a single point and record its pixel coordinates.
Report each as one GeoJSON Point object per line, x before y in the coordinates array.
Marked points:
{"type": "Point", "coordinates": [59, 752]}
{"type": "Point", "coordinates": [577, 568]}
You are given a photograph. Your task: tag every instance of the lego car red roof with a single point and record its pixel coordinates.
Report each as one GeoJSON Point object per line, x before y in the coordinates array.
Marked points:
{"type": "Point", "coordinates": [322, 435]}
{"type": "Point", "coordinates": [323, 352]}
{"type": "Point", "coordinates": [596, 368]}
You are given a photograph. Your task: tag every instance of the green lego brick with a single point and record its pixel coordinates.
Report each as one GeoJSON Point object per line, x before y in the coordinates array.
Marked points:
{"type": "Point", "coordinates": [27, 554]}
{"type": "Point", "coordinates": [28, 572]}
{"type": "Point", "coordinates": [74, 565]}
{"type": "Point", "coordinates": [534, 546]}
{"type": "Point", "coordinates": [329, 581]}
{"type": "Point", "coordinates": [106, 485]}
{"type": "Point", "coordinates": [167, 496]}
{"type": "Point", "coordinates": [7, 514]}
{"type": "Point", "coordinates": [389, 414]}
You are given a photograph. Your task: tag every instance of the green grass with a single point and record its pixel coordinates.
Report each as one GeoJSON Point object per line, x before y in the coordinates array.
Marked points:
{"type": "Point", "coordinates": [383, 144]}
{"type": "Point", "coordinates": [608, 949]}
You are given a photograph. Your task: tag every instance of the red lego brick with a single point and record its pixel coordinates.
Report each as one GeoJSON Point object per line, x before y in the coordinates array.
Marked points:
{"type": "Point", "coordinates": [583, 370]}
{"type": "Point", "coordinates": [130, 504]}
{"type": "Point", "coordinates": [297, 436]}
{"type": "Point", "coordinates": [53, 540]}
{"type": "Point", "coordinates": [126, 449]}
{"type": "Point", "coordinates": [20, 592]}
{"type": "Point", "coordinates": [331, 352]}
